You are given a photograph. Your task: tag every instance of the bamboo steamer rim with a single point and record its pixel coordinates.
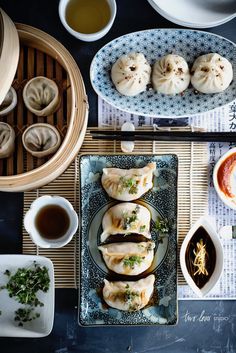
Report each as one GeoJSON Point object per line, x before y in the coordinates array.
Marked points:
{"type": "Point", "coordinates": [73, 140]}
{"type": "Point", "coordinates": [9, 53]}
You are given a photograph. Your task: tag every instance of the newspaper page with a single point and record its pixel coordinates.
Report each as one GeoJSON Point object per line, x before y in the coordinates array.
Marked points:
{"type": "Point", "coordinates": [221, 119]}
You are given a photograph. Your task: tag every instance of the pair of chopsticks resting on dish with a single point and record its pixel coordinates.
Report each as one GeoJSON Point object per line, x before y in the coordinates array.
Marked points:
{"type": "Point", "coordinates": [164, 135]}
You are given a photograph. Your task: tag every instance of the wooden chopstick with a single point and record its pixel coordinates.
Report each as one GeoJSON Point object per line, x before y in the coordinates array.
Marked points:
{"type": "Point", "coordinates": [193, 136]}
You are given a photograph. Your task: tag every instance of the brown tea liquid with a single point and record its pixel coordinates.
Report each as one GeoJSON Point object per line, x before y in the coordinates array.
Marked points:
{"type": "Point", "coordinates": [52, 221]}
{"type": "Point", "coordinates": [87, 16]}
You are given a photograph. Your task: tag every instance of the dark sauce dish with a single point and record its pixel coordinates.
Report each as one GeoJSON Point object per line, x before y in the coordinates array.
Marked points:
{"type": "Point", "coordinates": [201, 257]}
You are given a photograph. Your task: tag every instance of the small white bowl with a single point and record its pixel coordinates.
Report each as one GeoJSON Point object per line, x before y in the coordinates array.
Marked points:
{"type": "Point", "coordinates": [205, 223]}
{"type": "Point", "coordinates": [83, 36]}
{"type": "Point", "coordinates": [227, 200]}
{"type": "Point", "coordinates": [29, 221]}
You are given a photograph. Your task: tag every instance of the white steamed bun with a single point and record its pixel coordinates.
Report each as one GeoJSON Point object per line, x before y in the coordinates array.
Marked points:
{"type": "Point", "coordinates": [170, 74]}
{"type": "Point", "coordinates": [211, 73]}
{"type": "Point", "coordinates": [131, 74]}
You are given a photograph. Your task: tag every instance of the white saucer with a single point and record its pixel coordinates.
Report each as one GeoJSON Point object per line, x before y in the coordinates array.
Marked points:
{"type": "Point", "coordinates": [197, 14]}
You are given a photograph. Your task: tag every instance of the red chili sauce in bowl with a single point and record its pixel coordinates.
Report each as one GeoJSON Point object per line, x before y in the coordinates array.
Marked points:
{"type": "Point", "coordinates": [224, 175]}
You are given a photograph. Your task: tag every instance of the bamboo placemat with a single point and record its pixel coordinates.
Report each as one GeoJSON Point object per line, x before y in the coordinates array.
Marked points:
{"type": "Point", "coordinates": [192, 197]}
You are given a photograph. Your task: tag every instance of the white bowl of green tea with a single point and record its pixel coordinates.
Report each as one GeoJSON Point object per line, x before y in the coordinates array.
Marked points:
{"type": "Point", "coordinates": [87, 20]}
{"type": "Point", "coordinates": [51, 221]}
{"type": "Point", "coordinates": [201, 257]}
{"type": "Point", "coordinates": [224, 178]}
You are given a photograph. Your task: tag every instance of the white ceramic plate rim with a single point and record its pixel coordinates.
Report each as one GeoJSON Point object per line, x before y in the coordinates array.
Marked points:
{"type": "Point", "coordinates": [190, 24]}
{"type": "Point", "coordinates": [20, 260]}
{"type": "Point", "coordinates": [226, 200]}
{"type": "Point", "coordinates": [205, 223]}
{"type": "Point", "coordinates": [145, 114]}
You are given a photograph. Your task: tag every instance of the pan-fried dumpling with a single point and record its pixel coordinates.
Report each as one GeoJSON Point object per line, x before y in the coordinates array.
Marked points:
{"type": "Point", "coordinates": [41, 96]}
{"type": "Point", "coordinates": [128, 258]}
{"type": "Point", "coordinates": [7, 140]}
{"type": "Point", "coordinates": [128, 184]}
{"type": "Point", "coordinates": [129, 296]}
{"type": "Point", "coordinates": [126, 218]}
{"type": "Point", "coordinates": [171, 75]}
{"type": "Point", "coordinates": [131, 74]}
{"type": "Point", "coordinates": [41, 139]}
{"type": "Point", "coordinates": [211, 73]}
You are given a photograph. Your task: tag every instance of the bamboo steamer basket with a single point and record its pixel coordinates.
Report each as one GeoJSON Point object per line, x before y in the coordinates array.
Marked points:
{"type": "Point", "coordinates": [42, 55]}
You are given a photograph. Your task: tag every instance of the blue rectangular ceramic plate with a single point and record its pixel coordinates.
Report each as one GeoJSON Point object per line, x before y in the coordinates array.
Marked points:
{"type": "Point", "coordinates": [162, 202]}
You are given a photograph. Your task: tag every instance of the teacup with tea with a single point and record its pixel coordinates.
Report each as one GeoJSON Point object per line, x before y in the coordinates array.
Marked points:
{"type": "Point", "coordinates": [87, 20]}
{"type": "Point", "coordinates": [51, 221]}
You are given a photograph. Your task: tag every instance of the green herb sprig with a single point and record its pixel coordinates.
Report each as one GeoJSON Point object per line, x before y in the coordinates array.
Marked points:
{"type": "Point", "coordinates": [23, 315]}
{"type": "Point", "coordinates": [129, 183]}
{"type": "Point", "coordinates": [162, 225]}
{"type": "Point", "coordinates": [133, 260]}
{"type": "Point", "coordinates": [142, 228]}
{"type": "Point", "coordinates": [129, 297]}
{"type": "Point", "coordinates": [129, 218]}
{"type": "Point", "coordinates": [26, 282]}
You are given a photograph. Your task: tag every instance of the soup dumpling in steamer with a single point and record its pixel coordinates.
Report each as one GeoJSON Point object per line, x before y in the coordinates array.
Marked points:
{"type": "Point", "coordinates": [41, 140]}
{"type": "Point", "coordinates": [126, 218]}
{"type": "Point", "coordinates": [128, 258]}
{"type": "Point", "coordinates": [127, 295]}
{"type": "Point", "coordinates": [128, 184]}
{"type": "Point", "coordinates": [41, 96]}
{"type": "Point", "coordinates": [9, 102]}
{"type": "Point", "coordinates": [7, 140]}
{"type": "Point", "coordinates": [131, 74]}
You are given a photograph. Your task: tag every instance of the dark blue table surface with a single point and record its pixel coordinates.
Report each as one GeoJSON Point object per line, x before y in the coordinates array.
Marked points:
{"type": "Point", "coordinates": [204, 326]}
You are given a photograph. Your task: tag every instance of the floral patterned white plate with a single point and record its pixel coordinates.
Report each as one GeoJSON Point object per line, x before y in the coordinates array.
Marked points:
{"type": "Point", "coordinates": [161, 201]}
{"type": "Point", "coordinates": [155, 43]}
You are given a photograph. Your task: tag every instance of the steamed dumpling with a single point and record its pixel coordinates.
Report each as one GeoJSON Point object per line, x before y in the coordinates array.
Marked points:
{"type": "Point", "coordinates": [171, 75]}
{"type": "Point", "coordinates": [126, 218]}
{"type": "Point", "coordinates": [131, 74]}
{"type": "Point", "coordinates": [128, 184]}
{"type": "Point", "coordinates": [9, 102]}
{"type": "Point", "coordinates": [41, 96]}
{"type": "Point", "coordinates": [7, 140]}
{"type": "Point", "coordinates": [128, 258]}
{"type": "Point", "coordinates": [211, 73]}
{"type": "Point", "coordinates": [129, 296]}
{"type": "Point", "coordinates": [41, 139]}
